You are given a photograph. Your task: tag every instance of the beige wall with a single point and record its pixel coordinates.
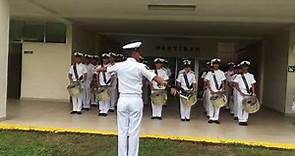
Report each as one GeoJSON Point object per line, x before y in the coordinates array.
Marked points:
{"type": "Point", "coordinates": [275, 71]}
{"type": "Point", "coordinates": [44, 73]}
{"type": "Point", "coordinates": [291, 76]}
{"type": "Point", "coordinates": [4, 31]}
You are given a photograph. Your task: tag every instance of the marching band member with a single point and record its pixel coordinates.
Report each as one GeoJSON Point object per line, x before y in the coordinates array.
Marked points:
{"type": "Point", "coordinates": [94, 62]}
{"type": "Point", "coordinates": [130, 105]}
{"type": "Point", "coordinates": [186, 81]}
{"type": "Point", "coordinates": [87, 93]}
{"type": "Point", "coordinates": [205, 90]}
{"type": "Point", "coordinates": [77, 73]}
{"type": "Point", "coordinates": [166, 68]}
{"type": "Point", "coordinates": [114, 84]}
{"type": "Point", "coordinates": [245, 85]}
{"type": "Point", "coordinates": [229, 87]}
{"type": "Point", "coordinates": [104, 80]}
{"type": "Point", "coordinates": [215, 80]}
{"type": "Point", "coordinates": [237, 71]}
{"type": "Point", "coordinates": [159, 71]}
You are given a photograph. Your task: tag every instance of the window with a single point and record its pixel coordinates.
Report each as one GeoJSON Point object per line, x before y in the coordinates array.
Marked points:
{"type": "Point", "coordinates": [55, 33]}
{"type": "Point", "coordinates": [33, 32]}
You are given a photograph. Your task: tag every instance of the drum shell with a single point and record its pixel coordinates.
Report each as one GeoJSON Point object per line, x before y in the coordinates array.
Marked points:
{"type": "Point", "coordinates": [158, 97]}
{"type": "Point", "coordinates": [75, 89]}
{"type": "Point", "coordinates": [251, 104]}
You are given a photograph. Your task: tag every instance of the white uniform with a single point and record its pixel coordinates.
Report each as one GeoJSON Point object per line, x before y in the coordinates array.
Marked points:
{"type": "Point", "coordinates": [235, 100]}
{"type": "Point", "coordinates": [94, 100]}
{"type": "Point", "coordinates": [220, 77]}
{"type": "Point", "coordinates": [205, 93]}
{"type": "Point", "coordinates": [104, 106]}
{"type": "Point", "coordinates": [114, 92]}
{"type": "Point", "coordinates": [81, 70]}
{"type": "Point", "coordinates": [242, 115]}
{"type": "Point", "coordinates": [229, 91]}
{"type": "Point", "coordinates": [168, 71]}
{"type": "Point", "coordinates": [185, 110]}
{"type": "Point", "coordinates": [130, 105]}
{"type": "Point", "coordinates": [157, 109]}
{"type": "Point", "coordinates": [87, 93]}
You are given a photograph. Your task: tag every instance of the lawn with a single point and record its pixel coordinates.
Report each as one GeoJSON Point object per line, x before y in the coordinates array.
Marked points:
{"type": "Point", "coordinates": [16, 143]}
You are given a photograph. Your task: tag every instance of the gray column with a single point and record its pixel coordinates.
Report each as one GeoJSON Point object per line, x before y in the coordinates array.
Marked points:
{"type": "Point", "coordinates": [4, 39]}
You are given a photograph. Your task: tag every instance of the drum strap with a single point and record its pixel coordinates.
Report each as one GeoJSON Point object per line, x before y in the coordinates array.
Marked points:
{"type": "Point", "coordinates": [156, 72]}
{"type": "Point", "coordinates": [246, 84]}
{"type": "Point", "coordinates": [186, 81]}
{"type": "Point", "coordinates": [76, 73]}
{"type": "Point", "coordinates": [215, 82]}
{"type": "Point", "coordinates": [105, 78]}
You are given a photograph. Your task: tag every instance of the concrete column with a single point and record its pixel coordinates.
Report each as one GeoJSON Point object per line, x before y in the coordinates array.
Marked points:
{"type": "Point", "coordinates": [4, 41]}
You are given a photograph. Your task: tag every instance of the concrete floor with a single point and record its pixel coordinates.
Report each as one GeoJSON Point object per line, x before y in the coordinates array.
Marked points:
{"type": "Point", "coordinates": [264, 126]}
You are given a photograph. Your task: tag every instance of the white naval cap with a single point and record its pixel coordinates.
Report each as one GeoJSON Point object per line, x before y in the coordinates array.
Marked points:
{"type": "Point", "coordinates": [245, 63]}
{"type": "Point", "coordinates": [158, 60]}
{"type": "Point", "coordinates": [215, 60]}
{"type": "Point", "coordinates": [112, 54]}
{"type": "Point", "coordinates": [231, 64]}
{"type": "Point", "coordinates": [133, 45]}
{"type": "Point", "coordinates": [187, 62]}
{"type": "Point", "coordinates": [96, 56]}
{"type": "Point", "coordinates": [78, 54]}
{"type": "Point", "coordinates": [105, 55]}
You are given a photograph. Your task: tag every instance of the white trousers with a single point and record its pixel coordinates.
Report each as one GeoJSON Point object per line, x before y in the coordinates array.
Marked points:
{"type": "Point", "coordinates": [213, 112]}
{"type": "Point", "coordinates": [235, 102]}
{"type": "Point", "coordinates": [130, 110]}
{"type": "Point", "coordinates": [185, 111]}
{"type": "Point", "coordinates": [242, 115]}
{"type": "Point", "coordinates": [231, 103]}
{"type": "Point", "coordinates": [156, 110]}
{"type": "Point", "coordinates": [104, 106]}
{"type": "Point", "coordinates": [77, 103]}
{"type": "Point", "coordinates": [205, 101]}
{"type": "Point", "coordinates": [87, 95]}
{"type": "Point", "coordinates": [114, 96]}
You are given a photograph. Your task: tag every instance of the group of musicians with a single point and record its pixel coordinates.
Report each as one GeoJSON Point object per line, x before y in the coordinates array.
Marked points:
{"type": "Point", "coordinates": [236, 83]}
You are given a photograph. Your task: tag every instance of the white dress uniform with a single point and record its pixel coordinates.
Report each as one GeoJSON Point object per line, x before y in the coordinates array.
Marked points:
{"type": "Point", "coordinates": [205, 93]}
{"type": "Point", "coordinates": [220, 77]}
{"type": "Point", "coordinates": [229, 78]}
{"type": "Point", "coordinates": [242, 115]}
{"type": "Point", "coordinates": [93, 99]}
{"type": "Point", "coordinates": [81, 70]}
{"type": "Point", "coordinates": [114, 92]}
{"type": "Point", "coordinates": [88, 95]}
{"type": "Point", "coordinates": [130, 105]}
{"type": "Point", "coordinates": [185, 110]}
{"type": "Point", "coordinates": [157, 109]}
{"type": "Point", "coordinates": [104, 106]}
{"type": "Point", "coordinates": [235, 100]}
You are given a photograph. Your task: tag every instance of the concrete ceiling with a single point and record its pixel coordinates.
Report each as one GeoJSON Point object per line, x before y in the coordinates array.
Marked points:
{"type": "Point", "coordinates": [250, 18]}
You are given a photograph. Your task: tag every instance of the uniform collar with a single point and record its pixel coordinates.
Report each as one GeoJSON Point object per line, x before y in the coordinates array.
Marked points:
{"type": "Point", "coordinates": [131, 59]}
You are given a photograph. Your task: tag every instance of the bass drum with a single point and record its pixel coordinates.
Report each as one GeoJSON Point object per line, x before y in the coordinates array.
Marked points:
{"type": "Point", "coordinates": [251, 104]}
{"type": "Point", "coordinates": [75, 89]}
{"type": "Point", "coordinates": [102, 93]}
{"type": "Point", "coordinates": [158, 97]}
{"type": "Point", "coordinates": [189, 98]}
{"type": "Point", "coordinates": [218, 100]}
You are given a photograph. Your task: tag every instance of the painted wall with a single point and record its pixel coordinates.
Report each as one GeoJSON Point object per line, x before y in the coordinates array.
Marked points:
{"type": "Point", "coordinates": [275, 71]}
{"type": "Point", "coordinates": [4, 31]}
{"type": "Point", "coordinates": [291, 76]}
{"type": "Point", "coordinates": [44, 72]}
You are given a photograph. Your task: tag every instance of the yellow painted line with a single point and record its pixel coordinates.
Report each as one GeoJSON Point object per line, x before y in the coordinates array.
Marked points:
{"type": "Point", "coordinates": [173, 138]}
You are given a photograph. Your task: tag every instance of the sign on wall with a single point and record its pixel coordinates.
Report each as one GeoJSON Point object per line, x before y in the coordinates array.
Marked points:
{"type": "Point", "coordinates": [291, 69]}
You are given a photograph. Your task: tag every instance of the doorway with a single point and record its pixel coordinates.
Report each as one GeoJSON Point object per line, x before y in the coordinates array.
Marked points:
{"type": "Point", "coordinates": [14, 71]}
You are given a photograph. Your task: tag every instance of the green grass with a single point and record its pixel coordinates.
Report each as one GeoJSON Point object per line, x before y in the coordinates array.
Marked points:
{"type": "Point", "coordinates": [15, 143]}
